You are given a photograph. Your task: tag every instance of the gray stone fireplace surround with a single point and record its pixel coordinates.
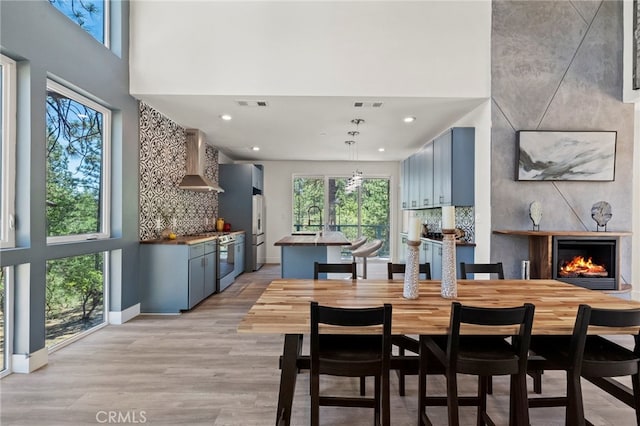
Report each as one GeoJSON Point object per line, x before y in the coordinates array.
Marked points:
{"type": "Point", "coordinates": [557, 65]}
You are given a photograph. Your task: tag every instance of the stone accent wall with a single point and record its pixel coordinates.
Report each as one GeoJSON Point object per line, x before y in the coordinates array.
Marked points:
{"type": "Point", "coordinates": [557, 65]}
{"type": "Point", "coordinates": [162, 167]}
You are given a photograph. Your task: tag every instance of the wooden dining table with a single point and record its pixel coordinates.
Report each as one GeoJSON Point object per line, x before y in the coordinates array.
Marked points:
{"type": "Point", "coordinates": [283, 308]}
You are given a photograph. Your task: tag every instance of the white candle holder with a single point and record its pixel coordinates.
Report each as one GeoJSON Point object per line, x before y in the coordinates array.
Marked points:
{"type": "Point", "coordinates": [449, 284]}
{"type": "Point", "coordinates": [411, 271]}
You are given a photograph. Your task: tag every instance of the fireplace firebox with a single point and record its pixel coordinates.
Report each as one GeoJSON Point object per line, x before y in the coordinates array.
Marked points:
{"type": "Point", "coordinates": [586, 262]}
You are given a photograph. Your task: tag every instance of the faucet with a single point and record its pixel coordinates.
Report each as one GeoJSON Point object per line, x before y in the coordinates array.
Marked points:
{"type": "Point", "coordinates": [314, 207]}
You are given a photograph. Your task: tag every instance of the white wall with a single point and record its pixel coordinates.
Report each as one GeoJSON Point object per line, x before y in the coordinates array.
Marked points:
{"type": "Point", "coordinates": [278, 178]}
{"type": "Point", "coordinates": [357, 48]}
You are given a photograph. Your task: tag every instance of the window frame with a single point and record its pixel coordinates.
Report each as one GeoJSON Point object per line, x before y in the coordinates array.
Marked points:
{"type": "Point", "coordinates": [106, 24]}
{"type": "Point", "coordinates": [105, 183]}
{"type": "Point", "coordinates": [8, 179]}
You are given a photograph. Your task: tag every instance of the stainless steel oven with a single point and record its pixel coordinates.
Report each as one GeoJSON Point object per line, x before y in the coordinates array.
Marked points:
{"type": "Point", "coordinates": [226, 249]}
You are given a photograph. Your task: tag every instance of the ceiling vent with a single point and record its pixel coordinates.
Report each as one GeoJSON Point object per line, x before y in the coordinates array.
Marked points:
{"type": "Point", "coordinates": [245, 103]}
{"type": "Point", "coordinates": [375, 104]}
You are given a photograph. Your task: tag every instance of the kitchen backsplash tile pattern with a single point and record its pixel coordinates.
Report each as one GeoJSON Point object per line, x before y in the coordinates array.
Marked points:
{"type": "Point", "coordinates": [464, 220]}
{"type": "Point", "coordinates": [162, 167]}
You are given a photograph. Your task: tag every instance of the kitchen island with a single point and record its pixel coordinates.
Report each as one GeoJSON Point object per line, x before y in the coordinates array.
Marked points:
{"type": "Point", "coordinates": [299, 252]}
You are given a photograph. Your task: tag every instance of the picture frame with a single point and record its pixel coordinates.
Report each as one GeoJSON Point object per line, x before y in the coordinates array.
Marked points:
{"type": "Point", "coordinates": [544, 155]}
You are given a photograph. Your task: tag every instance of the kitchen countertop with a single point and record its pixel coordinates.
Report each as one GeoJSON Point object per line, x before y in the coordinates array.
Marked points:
{"type": "Point", "coordinates": [327, 239]}
{"type": "Point", "coordinates": [191, 239]}
{"type": "Point", "coordinates": [458, 242]}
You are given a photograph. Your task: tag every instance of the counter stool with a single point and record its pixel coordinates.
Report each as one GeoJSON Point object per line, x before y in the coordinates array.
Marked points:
{"type": "Point", "coordinates": [369, 249]}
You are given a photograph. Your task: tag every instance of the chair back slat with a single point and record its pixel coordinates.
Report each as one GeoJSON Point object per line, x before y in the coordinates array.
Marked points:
{"type": "Point", "coordinates": [481, 268]}
{"type": "Point", "coordinates": [400, 268]}
{"type": "Point", "coordinates": [347, 268]}
{"type": "Point", "coordinates": [614, 317]}
{"type": "Point", "coordinates": [354, 317]}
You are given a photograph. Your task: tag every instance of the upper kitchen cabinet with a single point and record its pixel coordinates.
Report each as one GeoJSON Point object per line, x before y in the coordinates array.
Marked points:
{"type": "Point", "coordinates": [453, 167]}
{"type": "Point", "coordinates": [417, 180]}
{"type": "Point", "coordinates": [442, 172]}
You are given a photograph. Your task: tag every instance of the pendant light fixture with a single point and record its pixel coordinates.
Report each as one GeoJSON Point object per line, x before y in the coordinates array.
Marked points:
{"type": "Point", "coordinates": [356, 177]}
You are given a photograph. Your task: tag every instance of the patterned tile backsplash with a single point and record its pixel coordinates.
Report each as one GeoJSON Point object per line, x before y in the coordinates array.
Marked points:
{"type": "Point", "coordinates": [162, 167]}
{"type": "Point", "coordinates": [464, 220]}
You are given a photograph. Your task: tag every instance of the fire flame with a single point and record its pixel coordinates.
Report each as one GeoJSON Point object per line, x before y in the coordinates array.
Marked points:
{"type": "Point", "coordinates": [578, 265]}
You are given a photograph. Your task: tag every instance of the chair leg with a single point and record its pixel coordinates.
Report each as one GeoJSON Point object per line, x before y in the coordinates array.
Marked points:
{"type": "Point", "coordinates": [452, 397]}
{"type": "Point", "coordinates": [483, 388]}
{"type": "Point", "coordinates": [386, 400]}
{"type": "Point", "coordinates": [376, 397]}
{"type": "Point", "coordinates": [401, 376]}
{"type": "Point", "coordinates": [575, 408]}
{"type": "Point", "coordinates": [635, 383]}
{"type": "Point", "coordinates": [518, 401]}
{"type": "Point", "coordinates": [364, 267]}
{"type": "Point", "coordinates": [490, 385]}
{"type": "Point", "coordinates": [315, 399]}
{"type": "Point", "coordinates": [537, 381]}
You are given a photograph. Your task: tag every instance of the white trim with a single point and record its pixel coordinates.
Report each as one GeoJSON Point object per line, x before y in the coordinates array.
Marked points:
{"type": "Point", "coordinates": [120, 317]}
{"type": "Point", "coordinates": [8, 320]}
{"type": "Point", "coordinates": [8, 181]}
{"type": "Point", "coordinates": [105, 219]}
{"type": "Point", "coordinates": [106, 30]}
{"type": "Point", "coordinates": [27, 363]}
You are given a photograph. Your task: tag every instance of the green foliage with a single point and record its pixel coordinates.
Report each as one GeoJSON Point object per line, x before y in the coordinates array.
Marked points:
{"type": "Point", "coordinates": [74, 167]}
{"type": "Point", "coordinates": [362, 212]}
{"type": "Point", "coordinates": [74, 284]}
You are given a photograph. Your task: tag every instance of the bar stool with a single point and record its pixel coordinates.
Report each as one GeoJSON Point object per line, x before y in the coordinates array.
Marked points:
{"type": "Point", "coordinates": [369, 249]}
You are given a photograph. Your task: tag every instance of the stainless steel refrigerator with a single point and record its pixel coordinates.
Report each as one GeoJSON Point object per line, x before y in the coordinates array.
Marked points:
{"type": "Point", "coordinates": [257, 232]}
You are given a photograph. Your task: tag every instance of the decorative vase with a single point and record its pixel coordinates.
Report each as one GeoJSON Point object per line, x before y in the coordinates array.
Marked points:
{"type": "Point", "coordinates": [449, 284]}
{"type": "Point", "coordinates": [220, 224]}
{"type": "Point", "coordinates": [410, 290]}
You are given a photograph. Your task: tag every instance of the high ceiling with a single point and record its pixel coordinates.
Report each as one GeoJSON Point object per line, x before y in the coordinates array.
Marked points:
{"type": "Point", "coordinates": [314, 128]}
{"type": "Point", "coordinates": [309, 62]}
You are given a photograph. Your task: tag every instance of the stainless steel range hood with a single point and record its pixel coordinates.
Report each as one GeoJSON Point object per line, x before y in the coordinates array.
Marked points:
{"type": "Point", "coordinates": [194, 178]}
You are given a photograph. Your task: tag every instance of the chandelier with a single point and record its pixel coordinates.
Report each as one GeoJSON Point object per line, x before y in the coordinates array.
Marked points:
{"type": "Point", "coordinates": [355, 180]}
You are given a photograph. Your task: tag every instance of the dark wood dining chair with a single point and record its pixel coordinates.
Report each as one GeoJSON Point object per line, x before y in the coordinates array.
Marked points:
{"type": "Point", "coordinates": [346, 268]}
{"type": "Point", "coordinates": [496, 270]}
{"type": "Point", "coordinates": [483, 356]}
{"type": "Point", "coordinates": [405, 343]}
{"type": "Point", "coordinates": [592, 357]}
{"type": "Point", "coordinates": [351, 355]}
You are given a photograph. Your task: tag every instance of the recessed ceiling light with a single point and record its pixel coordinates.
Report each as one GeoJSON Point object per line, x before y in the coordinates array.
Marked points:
{"type": "Point", "coordinates": [226, 117]}
{"type": "Point", "coordinates": [409, 119]}
{"type": "Point", "coordinates": [255, 148]}
{"type": "Point", "coordinates": [380, 149]}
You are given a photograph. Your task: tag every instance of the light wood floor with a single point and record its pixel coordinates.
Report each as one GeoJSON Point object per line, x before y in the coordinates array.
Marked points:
{"type": "Point", "coordinates": [194, 369]}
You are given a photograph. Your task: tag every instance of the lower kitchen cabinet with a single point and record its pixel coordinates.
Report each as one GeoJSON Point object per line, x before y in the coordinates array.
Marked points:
{"type": "Point", "coordinates": [176, 277]}
{"type": "Point", "coordinates": [238, 265]}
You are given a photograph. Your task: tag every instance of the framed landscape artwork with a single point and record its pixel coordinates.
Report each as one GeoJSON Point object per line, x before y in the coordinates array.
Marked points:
{"type": "Point", "coordinates": [566, 156]}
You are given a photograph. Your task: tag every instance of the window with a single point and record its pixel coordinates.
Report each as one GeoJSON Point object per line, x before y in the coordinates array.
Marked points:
{"type": "Point", "coordinates": [75, 300]}
{"type": "Point", "coordinates": [7, 150]}
{"type": "Point", "coordinates": [363, 212]}
{"type": "Point", "coordinates": [308, 203]}
{"type": "Point", "coordinates": [78, 141]}
{"type": "Point", "coordinates": [90, 15]}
